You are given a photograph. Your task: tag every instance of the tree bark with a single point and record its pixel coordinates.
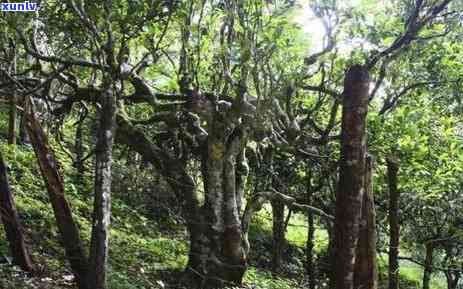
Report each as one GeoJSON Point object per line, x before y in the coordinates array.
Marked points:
{"type": "Point", "coordinates": [226, 252]}
{"type": "Point", "coordinates": [242, 172]}
{"type": "Point", "coordinates": [99, 245]}
{"type": "Point", "coordinates": [452, 277]}
{"type": "Point", "coordinates": [394, 227]}
{"type": "Point", "coordinates": [217, 254]}
{"type": "Point", "coordinates": [23, 134]}
{"type": "Point", "coordinates": [12, 224]}
{"type": "Point", "coordinates": [428, 262]}
{"type": "Point", "coordinates": [331, 257]}
{"type": "Point", "coordinates": [278, 217]}
{"type": "Point", "coordinates": [366, 271]}
{"type": "Point", "coordinates": [79, 151]}
{"type": "Point", "coordinates": [13, 115]}
{"type": "Point", "coordinates": [309, 248]}
{"type": "Point", "coordinates": [12, 121]}
{"type": "Point", "coordinates": [310, 264]}
{"type": "Point", "coordinates": [352, 173]}
{"type": "Point", "coordinates": [67, 227]}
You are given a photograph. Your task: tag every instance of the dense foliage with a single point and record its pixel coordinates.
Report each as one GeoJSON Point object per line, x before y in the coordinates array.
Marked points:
{"type": "Point", "coordinates": [212, 143]}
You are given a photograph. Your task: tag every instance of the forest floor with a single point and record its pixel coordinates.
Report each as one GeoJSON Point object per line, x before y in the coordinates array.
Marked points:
{"type": "Point", "coordinates": [144, 253]}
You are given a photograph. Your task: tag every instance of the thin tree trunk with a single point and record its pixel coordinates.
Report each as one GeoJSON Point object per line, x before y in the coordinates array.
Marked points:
{"type": "Point", "coordinates": [452, 279]}
{"type": "Point", "coordinates": [331, 257]}
{"type": "Point", "coordinates": [13, 115]}
{"type": "Point", "coordinates": [278, 217]}
{"type": "Point", "coordinates": [23, 134]}
{"type": "Point", "coordinates": [67, 227]}
{"type": "Point", "coordinates": [12, 121]}
{"type": "Point", "coordinates": [99, 245]}
{"type": "Point", "coordinates": [394, 227]}
{"type": "Point", "coordinates": [309, 248]}
{"type": "Point", "coordinates": [310, 264]}
{"type": "Point", "coordinates": [79, 151]}
{"type": "Point", "coordinates": [195, 225]}
{"type": "Point", "coordinates": [366, 271]}
{"type": "Point", "coordinates": [351, 174]}
{"type": "Point", "coordinates": [428, 265]}
{"type": "Point", "coordinates": [12, 224]}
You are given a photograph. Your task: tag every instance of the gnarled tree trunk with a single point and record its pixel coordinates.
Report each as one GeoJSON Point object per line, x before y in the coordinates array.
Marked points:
{"type": "Point", "coordinates": [365, 263]}
{"type": "Point", "coordinates": [217, 248]}
{"type": "Point", "coordinates": [12, 224]}
{"type": "Point", "coordinates": [175, 173]}
{"type": "Point", "coordinates": [352, 173]}
{"type": "Point", "coordinates": [225, 252]}
{"type": "Point", "coordinates": [394, 227]}
{"type": "Point", "coordinates": [67, 227]}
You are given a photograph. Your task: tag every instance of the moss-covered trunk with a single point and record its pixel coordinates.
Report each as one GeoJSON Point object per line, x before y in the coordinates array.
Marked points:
{"type": "Point", "coordinates": [99, 245]}
{"type": "Point", "coordinates": [222, 254]}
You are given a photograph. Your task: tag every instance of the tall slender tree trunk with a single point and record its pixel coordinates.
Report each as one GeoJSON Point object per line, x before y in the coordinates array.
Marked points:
{"type": "Point", "coordinates": [79, 152]}
{"type": "Point", "coordinates": [366, 271]}
{"type": "Point", "coordinates": [99, 245]}
{"type": "Point", "coordinates": [12, 224]}
{"type": "Point", "coordinates": [12, 123]}
{"type": "Point", "coordinates": [195, 225]}
{"type": "Point", "coordinates": [331, 257]}
{"type": "Point", "coordinates": [352, 173]}
{"type": "Point", "coordinates": [23, 134]}
{"type": "Point", "coordinates": [67, 227]}
{"type": "Point", "coordinates": [13, 115]}
{"type": "Point", "coordinates": [310, 265]}
{"type": "Point", "coordinates": [278, 217]}
{"type": "Point", "coordinates": [394, 227]}
{"type": "Point", "coordinates": [428, 263]}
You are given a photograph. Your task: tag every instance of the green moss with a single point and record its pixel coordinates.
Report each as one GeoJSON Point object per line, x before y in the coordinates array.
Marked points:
{"type": "Point", "coordinates": [262, 279]}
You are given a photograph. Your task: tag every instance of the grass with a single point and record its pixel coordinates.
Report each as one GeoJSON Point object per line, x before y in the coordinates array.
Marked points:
{"type": "Point", "coordinates": [138, 249]}
{"type": "Point", "coordinates": [262, 279]}
{"type": "Point", "coordinates": [141, 251]}
{"type": "Point", "coordinates": [296, 233]}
